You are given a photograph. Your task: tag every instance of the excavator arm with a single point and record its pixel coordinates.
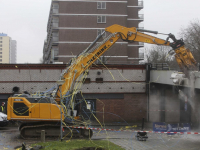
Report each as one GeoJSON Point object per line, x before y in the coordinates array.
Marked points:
{"type": "Point", "coordinates": [84, 60]}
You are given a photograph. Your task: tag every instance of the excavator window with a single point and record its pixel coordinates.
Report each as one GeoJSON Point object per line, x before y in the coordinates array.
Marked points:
{"type": "Point", "coordinates": [20, 109]}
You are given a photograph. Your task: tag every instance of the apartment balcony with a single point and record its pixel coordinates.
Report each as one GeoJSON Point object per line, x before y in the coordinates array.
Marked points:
{"type": "Point", "coordinates": [55, 10]}
{"type": "Point", "coordinates": [141, 44]}
{"type": "Point", "coordinates": [55, 39]}
{"type": "Point", "coordinates": [48, 50]}
{"type": "Point", "coordinates": [55, 24]}
{"type": "Point", "coordinates": [140, 4]}
{"type": "Point", "coordinates": [141, 17]}
{"type": "Point", "coordinates": [141, 56]}
{"type": "Point", "coordinates": [54, 53]}
{"type": "Point", "coordinates": [50, 20]}
{"type": "Point", "coordinates": [52, 38]}
{"type": "Point", "coordinates": [55, 34]}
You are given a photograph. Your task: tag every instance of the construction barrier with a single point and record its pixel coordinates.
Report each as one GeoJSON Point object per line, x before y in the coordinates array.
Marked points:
{"type": "Point", "coordinates": [101, 129]}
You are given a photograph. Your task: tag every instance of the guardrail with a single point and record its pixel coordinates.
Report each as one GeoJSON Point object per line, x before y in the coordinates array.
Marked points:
{"type": "Point", "coordinates": [160, 66]}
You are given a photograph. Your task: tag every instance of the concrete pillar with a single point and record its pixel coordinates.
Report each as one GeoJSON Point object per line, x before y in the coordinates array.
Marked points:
{"type": "Point", "coordinates": [162, 103]}
{"type": "Point", "coordinates": [42, 135]}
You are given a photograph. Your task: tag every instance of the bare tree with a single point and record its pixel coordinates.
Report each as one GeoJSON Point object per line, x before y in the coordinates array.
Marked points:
{"type": "Point", "coordinates": [191, 38]}
{"type": "Point", "coordinates": [159, 54]}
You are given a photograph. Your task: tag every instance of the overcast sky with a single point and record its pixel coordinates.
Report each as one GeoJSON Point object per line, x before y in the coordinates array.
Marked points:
{"type": "Point", "coordinates": [26, 21]}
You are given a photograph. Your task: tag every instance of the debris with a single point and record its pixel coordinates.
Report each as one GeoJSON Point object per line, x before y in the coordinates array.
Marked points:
{"type": "Point", "coordinates": [25, 147]}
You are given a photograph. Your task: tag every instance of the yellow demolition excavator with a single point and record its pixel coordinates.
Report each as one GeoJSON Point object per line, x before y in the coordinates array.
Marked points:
{"type": "Point", "coordinates": [44, 113]}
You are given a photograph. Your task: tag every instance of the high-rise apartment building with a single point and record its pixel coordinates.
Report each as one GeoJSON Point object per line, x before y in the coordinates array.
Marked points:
{"type": "Point", "coordinates": [8, 49]}
{"type": "Point", "coordinates": [74, 24]}
{"type": "Point", "coordinates": [13, 52]}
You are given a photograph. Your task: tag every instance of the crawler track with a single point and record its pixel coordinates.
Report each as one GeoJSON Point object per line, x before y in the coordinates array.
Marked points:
{"type": "Point", "coordinates": [28, 131]}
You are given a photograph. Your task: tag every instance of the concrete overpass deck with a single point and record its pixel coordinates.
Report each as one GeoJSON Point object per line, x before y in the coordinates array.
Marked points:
{"type": "Point", "coordinates": [164, 77]}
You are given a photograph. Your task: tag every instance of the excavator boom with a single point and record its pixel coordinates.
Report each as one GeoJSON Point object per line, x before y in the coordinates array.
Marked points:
{"type": "Point", "coordinates": [89, 56]}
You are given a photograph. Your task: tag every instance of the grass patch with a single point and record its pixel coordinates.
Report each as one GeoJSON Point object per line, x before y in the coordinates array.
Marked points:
{"type": "Point", "coordinates": [77, 144]}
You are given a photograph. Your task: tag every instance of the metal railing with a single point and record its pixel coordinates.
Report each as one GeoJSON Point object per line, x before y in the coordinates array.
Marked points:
{"type": "Point", "coordinates": [120, 62]}
{"type": "Point", "coordinates": [160, 66]}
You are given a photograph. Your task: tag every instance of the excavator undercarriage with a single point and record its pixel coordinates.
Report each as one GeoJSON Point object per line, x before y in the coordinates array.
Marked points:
{"type": "Point", "coordinates": [36, 114]}
{"type": "Point", "coordinates": [29, 130]}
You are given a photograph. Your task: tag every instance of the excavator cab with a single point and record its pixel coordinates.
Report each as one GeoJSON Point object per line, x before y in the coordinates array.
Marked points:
{"type": "Point", "coordinates": [33, 109]}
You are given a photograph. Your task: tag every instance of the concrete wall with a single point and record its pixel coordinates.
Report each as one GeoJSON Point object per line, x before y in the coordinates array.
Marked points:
{"type": "Point", "coordinates": [176, 109]}
{"type": "Point", "coordinates": [195, 104]}
{"type": "Point", "coordinates": [164, 105]}
{"type": "Point", "coordinates": [172, 106]}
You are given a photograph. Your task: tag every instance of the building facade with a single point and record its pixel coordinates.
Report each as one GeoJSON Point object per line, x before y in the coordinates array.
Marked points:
{"type": "Point", "coordinates": [8, 49]}
{"type": "Point", "coordinates": [13, 52]}
{"type": "Point", "coordinates": [74, 24]}
{"type": "Point", "coordinates": [115, 92]}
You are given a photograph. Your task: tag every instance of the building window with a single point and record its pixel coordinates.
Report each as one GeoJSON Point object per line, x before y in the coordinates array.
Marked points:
{"type": "Point", "coordinates": [0, 60]}
{"type": "Point", "coordinates": [101, 5]}
{"type": "Point", "coordinates": [1, 41]}
{"type": "Point", "coordinates": [100, 31]}
{"type": "Point", "coordinates": [0, 37]}
{"type": "Point", "coordinates": [101, 19]}
{"type": "Point", "coordinates": [87, 80]}
{"type": "Point", "coordinates": [0, 52]}
{"type": "Point", "coordinates": [0, 49]}
{"type": "Point", "coordinates": [99, 80]}
{"type": "Point", "coordinates": [0, 45]}
{"type": "Point", "coordinates": [0, 56]}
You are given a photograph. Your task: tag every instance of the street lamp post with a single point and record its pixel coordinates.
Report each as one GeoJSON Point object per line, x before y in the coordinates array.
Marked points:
{"type": "Point", "coordinates": [60, 82]}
